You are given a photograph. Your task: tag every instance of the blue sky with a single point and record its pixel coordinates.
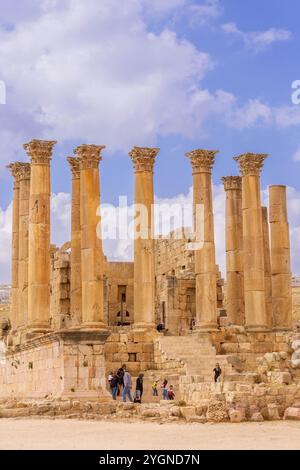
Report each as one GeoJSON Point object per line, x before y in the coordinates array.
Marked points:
{"type": "Point", "coordinates": [178, 74]}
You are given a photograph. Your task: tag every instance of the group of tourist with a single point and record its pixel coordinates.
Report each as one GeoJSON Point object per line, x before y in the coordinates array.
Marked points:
{"type": "Point", "coordinates": [167, 391]}
{"type": "Point", "coordinates": [120, 382]}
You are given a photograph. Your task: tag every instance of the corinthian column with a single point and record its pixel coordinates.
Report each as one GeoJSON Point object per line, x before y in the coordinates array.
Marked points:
{"type": "Point", "coordinates": [253, 242]}
{"type": "Point", "coordinates": [235, 304]}
{"type": "Point", "coordinates": [280, 259]}
{"type": "Point", "coordinates": [92, 259]}
{"type": "Point", "coordinates": [76, 297]}
{"type": "Point", "coordinates": [143, 161]}
{"type": "Point", "coordinates": [267, 263]}
{"type": "Point", "coordinates": [24, 176]}
{"type": "Point", "coordinates": [40, 153]}
{"type": "Point", "coordinates": [14, 168]}
{"type": "Point", "coordinates": [202, 162]}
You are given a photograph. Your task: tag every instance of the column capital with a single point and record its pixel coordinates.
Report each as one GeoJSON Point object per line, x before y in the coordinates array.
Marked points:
{"type": "Point", "coordinates": [202, 161]}
{"type": "Point", "coordinates": [251, 163]}
{"type": "Point", "coordinates": [232, 182]}
{"type": "Point", "coordinates": [143, 158]}
{"type": "Point", "coordinates": [24, 171]}
{"type": "Point", "coordinates": [74, 166]}
{"type": "Point", "coordinates": [89, 155]}
{"type": "Point", "coordinates": [40, 151]}
{"type": "Point", "coordinates": [19, 171]}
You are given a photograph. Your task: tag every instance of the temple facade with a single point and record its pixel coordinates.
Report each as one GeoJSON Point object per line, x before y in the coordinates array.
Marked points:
{"type": "Point", "coordinates": [75, 315]}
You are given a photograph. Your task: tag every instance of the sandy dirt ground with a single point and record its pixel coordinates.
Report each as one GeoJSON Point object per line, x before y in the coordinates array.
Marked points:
{"type": "Point", "coordinates": [103, 435]}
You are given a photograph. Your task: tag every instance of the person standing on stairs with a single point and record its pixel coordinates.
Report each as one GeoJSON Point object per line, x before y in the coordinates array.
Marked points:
{"type": "Point", "coordinates": [217, 373]}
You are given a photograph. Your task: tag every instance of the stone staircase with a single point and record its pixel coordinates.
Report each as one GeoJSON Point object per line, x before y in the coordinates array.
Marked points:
{"type": "Point", "coordinates": [186, 361]}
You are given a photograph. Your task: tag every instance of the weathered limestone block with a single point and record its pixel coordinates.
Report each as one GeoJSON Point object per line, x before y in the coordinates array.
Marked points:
{"type": "Point", "coordinates": [187, 412]}
{"type": "Point", "coordinates": [217, 412]}
{"type": "Point", "coordinates": [278, 377]}
{"type": "Point", "coordinates": [257, 417]}
{"type": "Point", "coordinates": [236, 415]}
{"type": "Point", "coordinates": [273, 412]}
{"type": "Point", "coordinates": [292, 413]}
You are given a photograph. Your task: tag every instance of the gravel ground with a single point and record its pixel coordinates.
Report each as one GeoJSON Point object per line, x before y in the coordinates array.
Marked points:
{"type": "Point", "coordinates": [104, 435]}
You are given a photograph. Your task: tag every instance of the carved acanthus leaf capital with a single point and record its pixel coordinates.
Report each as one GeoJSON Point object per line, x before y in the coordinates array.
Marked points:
{"type": "Point", "coordinates": [251, 163]}
{"type": "Point", "coordinates": [74, 166]}
{"type": "Point", "coordinates": [20, 171]}
{"type": "Point", "coordinates": [89, 156]}
{"type": "Point", "coordinates": [202, 161]}
{"type": "Point", "coordinates": [40, 151]}
{"type": "Point", "coordinates": [232, 182]}
{"type": "Point", "coordinates": [143, 158]}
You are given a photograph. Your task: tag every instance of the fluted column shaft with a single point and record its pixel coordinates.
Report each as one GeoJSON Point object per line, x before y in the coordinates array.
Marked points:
{"type": "Point", "coordinates": [14, 168]}
{"type": "Point", "coordinates": [25, 171]}
{"type": "Point", "coordinates": [235, 301]}
{"type": "Point", "coordinates": [205, 263]}
{"type": "Point", "coordinates": [76, 293]}
{"type": "Point", "coordinates": [280, 258]}
{"type": "Point", "coordinates": [253, 243]}
{"type": "Point", "coordinates": [267, 263]}
{"type": "Point", "coordinates": [144, 278]}
{"type": "Point", "coordinates": [92, 258]}
{"type": "Point", "coordinates": [40, 153]}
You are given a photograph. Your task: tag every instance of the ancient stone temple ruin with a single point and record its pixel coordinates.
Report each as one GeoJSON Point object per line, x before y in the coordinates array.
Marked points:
{"type": "Point", "coordinates": [75, 315]}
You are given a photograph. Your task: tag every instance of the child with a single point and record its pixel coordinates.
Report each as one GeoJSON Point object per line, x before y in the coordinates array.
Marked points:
{"type": "Point", "coordinates": [171, 394]}
{"type": "Point", "coordinates": [154, 388]}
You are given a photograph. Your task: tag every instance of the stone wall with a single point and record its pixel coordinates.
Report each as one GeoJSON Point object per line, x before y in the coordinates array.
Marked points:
{"type": "Point", "coordinates": [175, 302]}
{"type": "Point", "coordinates": [60, 316]}
{"type": "Point", "coordinates": [134, 349]}
{"type": "Point", "coordinates": [55, 366]}
{"type": "Point", "coordinates": [296, 302]}
{"type": "Point", "coordinates": [119, 282]}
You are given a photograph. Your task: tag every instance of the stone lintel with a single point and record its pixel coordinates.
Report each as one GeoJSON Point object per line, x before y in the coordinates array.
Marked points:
{"type": "Point", "coordinates": [74, 166]}
{"type": "Point", "coordinates": [143, 158]}
{"type": "Point", "coordinates": [232, 183]}
{"type": "Point", "coordinates": [251, 163]}
{"type": "Point", "coordinates": [89, 155]}
{"type": "Point", "coordinates": [40, 151]}
{"type": "Point", "coordinates": [202, 161]}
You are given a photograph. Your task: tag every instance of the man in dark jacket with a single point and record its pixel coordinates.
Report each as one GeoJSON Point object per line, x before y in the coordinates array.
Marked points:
{"type": "Point", "coordinates": [139, 389]}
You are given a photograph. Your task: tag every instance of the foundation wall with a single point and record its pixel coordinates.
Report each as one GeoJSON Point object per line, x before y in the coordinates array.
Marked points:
{"type": "Point", "coordinates": [55, 366]}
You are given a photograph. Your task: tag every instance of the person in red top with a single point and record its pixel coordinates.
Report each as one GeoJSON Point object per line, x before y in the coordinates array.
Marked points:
{"type": "Point", "coordinates": [171, 394]}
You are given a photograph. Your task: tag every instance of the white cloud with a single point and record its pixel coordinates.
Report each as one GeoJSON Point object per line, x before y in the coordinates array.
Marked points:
{"type": "Point", "coordinates": [103, 77]}
{"type": "Point", "coordinates": [296, 156]}
{"type": "Point", "coordinates": [193, 13]}
{"type": "Point", "coordinates": [254, 112]}
{"type": "Point", "coordinates": [257, 40]}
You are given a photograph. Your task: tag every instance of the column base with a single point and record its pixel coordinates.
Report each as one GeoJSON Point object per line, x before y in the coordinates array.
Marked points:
{"type": "Point", "coordinates": [257, 328]}
{"type": "Point", "coordinates": [37, 330]}
{"type": "Point", "coordinates": [92, 326]}
{"type": "Point", "coordinates": [282, 328]}
{"type": "Point", "coordinates": [205, 327]}
{"type": "Point", "coordinates": [143, 326]}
